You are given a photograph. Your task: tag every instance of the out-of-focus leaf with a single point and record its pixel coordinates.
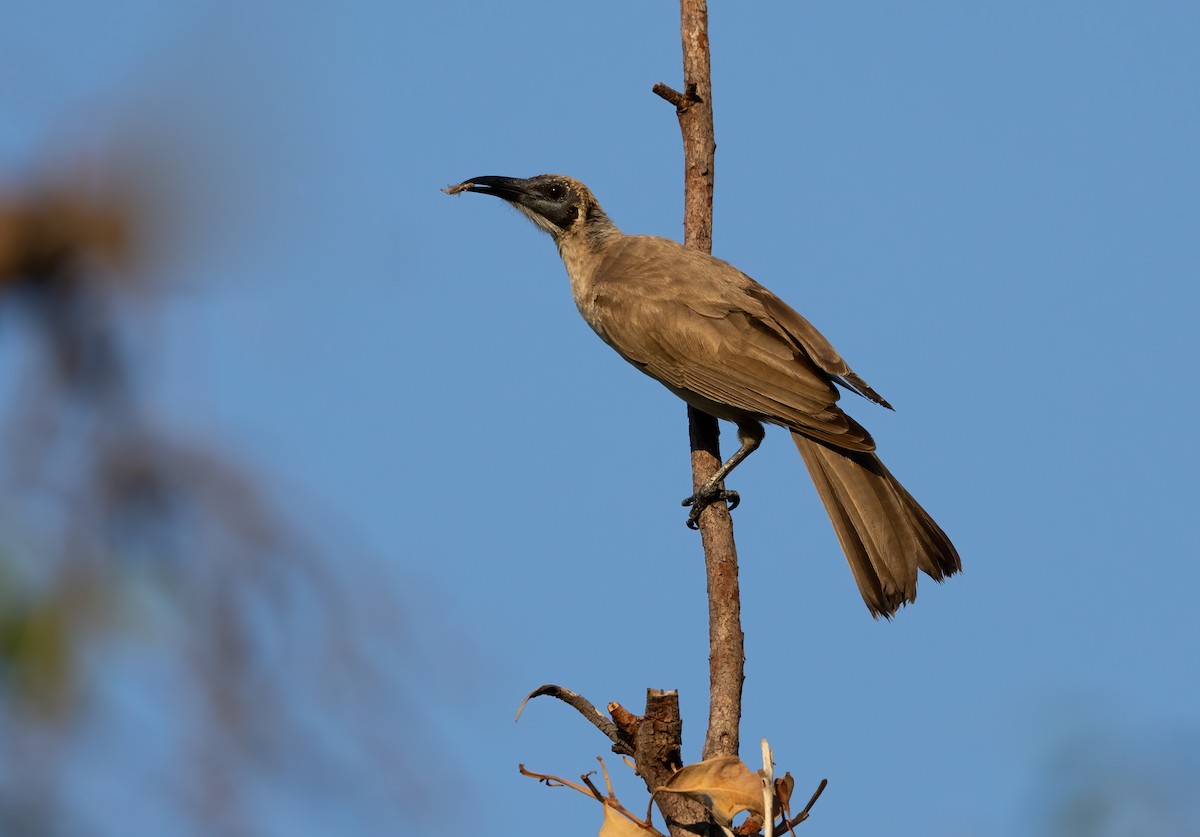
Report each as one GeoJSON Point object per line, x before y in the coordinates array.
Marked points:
{"type": "Point", "coordinates": [35, 656]}
{"type": "Point", "coordinates": [43, 231]}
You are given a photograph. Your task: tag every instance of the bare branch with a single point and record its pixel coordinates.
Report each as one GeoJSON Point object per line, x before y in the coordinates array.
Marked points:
{"type": "Point", "coordinates": [557, 781]}
{"type": "Point", "coordinates": [621, 742]}
{"type": "Point", "coordinates": [588, 788]}
{"type": "Point", "coordinates": [726, 640]}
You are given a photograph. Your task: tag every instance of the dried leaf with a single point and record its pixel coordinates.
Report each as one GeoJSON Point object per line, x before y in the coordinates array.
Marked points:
{"type": "Point", "coordinates": [752, 825]}
{"type": "Point", "coordinates": [783, 800]}
{"type": "Point", "coordinates": [724, 785]}
{"type": "Point", "coordinates": [783, 791]}
{"type": "Point", "coordinates": [617, 824]}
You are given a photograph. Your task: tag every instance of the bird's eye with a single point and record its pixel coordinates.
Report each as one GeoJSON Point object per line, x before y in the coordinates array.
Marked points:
{"type": "Point", "coordinates": [556, 192]}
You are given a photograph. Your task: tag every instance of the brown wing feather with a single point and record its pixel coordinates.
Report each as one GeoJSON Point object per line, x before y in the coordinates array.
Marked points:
{"type": "Point", "coordinates": [723, 339]}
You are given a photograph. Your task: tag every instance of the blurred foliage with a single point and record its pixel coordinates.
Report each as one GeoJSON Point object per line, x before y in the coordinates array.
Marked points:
{"type": "Point", "coordinates": [151, 594]}
{"type": "Point", "coordinates": [35, 659]}
{"type": "Point", "coordinates": [1104, 779]}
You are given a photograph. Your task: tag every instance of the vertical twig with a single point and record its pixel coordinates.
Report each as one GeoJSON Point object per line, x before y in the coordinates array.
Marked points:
{"type": "Point", "coordinates": [726, 643]}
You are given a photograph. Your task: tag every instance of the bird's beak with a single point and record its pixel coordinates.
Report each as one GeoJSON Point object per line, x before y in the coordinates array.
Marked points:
{"type": "Point", "coordinates": [553, 215]}
{"type": "Point", "coordinates": [508, 188]}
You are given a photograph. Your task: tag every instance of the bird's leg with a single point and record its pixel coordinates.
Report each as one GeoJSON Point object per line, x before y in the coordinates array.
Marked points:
{"type": "Point", "coordinates": [751, 436]}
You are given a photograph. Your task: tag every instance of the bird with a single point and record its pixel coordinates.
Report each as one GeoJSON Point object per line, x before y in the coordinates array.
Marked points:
{"type": "Point", "coordinates": [731, 348]}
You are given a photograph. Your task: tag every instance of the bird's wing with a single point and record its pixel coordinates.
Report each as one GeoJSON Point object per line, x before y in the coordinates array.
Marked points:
{"type": "Point", "coordinates": [815, 345]}
{"type": "Point", "coordinates": [707, 332]}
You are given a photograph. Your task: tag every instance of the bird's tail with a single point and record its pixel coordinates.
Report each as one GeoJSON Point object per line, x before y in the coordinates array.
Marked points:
{"type": "Point", "coordinates": [886, 535]}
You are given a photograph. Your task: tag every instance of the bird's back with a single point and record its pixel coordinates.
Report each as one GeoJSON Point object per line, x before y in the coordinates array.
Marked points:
{"type": "Point", "coordinates": [715, 337]}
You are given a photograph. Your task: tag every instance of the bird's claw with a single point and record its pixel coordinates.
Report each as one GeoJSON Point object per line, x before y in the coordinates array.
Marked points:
{"type": "Point", "coordinates": [704, 498]}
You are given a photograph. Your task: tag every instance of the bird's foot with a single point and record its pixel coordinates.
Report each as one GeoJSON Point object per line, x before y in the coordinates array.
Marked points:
{"type": "Point", "coordinates": [704, 498]}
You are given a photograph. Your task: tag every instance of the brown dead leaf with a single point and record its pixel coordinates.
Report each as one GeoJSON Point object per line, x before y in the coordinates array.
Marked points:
{"type": "Point", "coordinates": [783, 792]}
{"type": "Point", "coordinates": [617, 824]}
{"type": "Point", "coordinates": [724, 785]}
{"type": "Point", "coordinates": [752, 825]}
{"type": "Point", "coordinates": [784, 788]}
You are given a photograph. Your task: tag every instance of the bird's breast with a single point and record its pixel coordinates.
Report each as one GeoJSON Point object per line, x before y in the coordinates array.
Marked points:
{"type": "Point", "coordinates": [591, 309]}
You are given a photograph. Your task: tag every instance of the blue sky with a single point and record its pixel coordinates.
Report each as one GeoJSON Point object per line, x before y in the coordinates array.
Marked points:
{"type": "Point", "coordinates": [990, 209]}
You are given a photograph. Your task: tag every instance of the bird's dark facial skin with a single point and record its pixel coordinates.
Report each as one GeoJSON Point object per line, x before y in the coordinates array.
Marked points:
{"type": "Point", "coordinates": [545, 197]}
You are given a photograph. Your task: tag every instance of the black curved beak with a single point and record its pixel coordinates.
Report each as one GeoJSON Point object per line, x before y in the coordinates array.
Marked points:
{"type": "Point", "coordinates": [508, 188]}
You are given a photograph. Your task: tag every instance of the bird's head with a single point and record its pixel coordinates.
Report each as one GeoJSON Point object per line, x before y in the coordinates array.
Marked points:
{"type": "Point", "coordinates": [556, 203]}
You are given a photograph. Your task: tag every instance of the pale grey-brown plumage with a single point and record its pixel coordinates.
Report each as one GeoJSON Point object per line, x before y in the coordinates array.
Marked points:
{"type": "Point", "coordinates": [728, 346]}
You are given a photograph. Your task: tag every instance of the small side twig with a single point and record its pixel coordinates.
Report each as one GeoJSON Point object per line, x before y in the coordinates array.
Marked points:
{"type": "Point", "coordinates": [608, 800]}
{"type": "Point", "coordinates": [681, 101]}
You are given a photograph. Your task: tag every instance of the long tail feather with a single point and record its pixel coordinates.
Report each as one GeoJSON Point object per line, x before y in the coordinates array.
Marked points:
{"type": "Point", "coordinates": [884, 532]}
